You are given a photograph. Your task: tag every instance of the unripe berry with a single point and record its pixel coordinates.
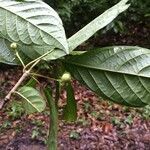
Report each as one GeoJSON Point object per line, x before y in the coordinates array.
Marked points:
{"type": "Point", "coordinates": [66, 77]}
{"type": "Point", "coordinates": [13, 45]}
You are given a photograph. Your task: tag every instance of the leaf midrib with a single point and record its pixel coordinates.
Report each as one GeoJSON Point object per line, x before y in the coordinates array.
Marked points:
{"type": "Point", "coordinates": [104, 69]}
{"type": "Point", "coordinates": [28, 101]}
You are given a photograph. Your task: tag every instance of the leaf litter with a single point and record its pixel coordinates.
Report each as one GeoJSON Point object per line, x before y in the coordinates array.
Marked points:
{"type": "Point", "coordinates": [101, 125]}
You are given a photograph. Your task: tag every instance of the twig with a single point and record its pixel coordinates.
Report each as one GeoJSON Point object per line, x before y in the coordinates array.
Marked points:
{"type": "Point", "coordinates": [42, 76]}
{"type": "Point", "coordinates": [25, 74]}
{"type": "Point", "coordinates": [17, 54]}
{"type": "Point", "coordinates": [38, 59]}
{"type": "Point", "coordinates": [7, 98]}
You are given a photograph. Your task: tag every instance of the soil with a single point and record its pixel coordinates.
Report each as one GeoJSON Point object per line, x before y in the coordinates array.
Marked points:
{"type": "Point", "coordinates": [101, 125]}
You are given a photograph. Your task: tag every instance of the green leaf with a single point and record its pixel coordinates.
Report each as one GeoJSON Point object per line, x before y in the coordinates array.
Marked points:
{"type": "Point", "coordinates": [33, 101]}
{"type": "Point", "coordinates": [121, 74]}
{"type": "Point", "coordinates": [53, 130]}
{"type": "Point", "coordinates": [34, 26]}
{"type": "Point", "coordinates": [6, 55]}
{"type": "Point", "coordinates": [31, 83]}
{"type": "Point", "coordinates": [70, 110]}
{"type": "Point", "coordinates": [97, 24]}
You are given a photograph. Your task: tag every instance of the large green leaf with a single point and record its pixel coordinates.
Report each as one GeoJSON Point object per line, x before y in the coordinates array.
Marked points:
{"type": "Point", "coordinates": [121, 74]}
{"type": "Point", "coordinates": [34, 26]}
{"type": "Point", "coordinates": [97, 24]}
{"type": "Point", "coordinates": [33, 101]}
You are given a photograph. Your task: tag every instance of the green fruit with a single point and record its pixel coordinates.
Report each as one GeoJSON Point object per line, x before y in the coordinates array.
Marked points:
{"type": "Point", "coordinates": [13, 45]}
{"type": "Point", "coordinates": [66, 77]}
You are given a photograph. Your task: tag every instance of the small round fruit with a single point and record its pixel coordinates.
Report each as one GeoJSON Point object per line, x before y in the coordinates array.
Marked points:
{"type": "Point", "coordinates": [13, 45]}
{"type": "Point", "coordinates": [66, 77]}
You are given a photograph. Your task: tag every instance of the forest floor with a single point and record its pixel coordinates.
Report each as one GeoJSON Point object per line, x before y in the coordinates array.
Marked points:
{"type": "Point", "coordinates": [101, 125]}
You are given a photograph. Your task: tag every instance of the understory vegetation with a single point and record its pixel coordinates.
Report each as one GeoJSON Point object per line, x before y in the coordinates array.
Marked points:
{"type": "Point", "coordinates": [75, 13]}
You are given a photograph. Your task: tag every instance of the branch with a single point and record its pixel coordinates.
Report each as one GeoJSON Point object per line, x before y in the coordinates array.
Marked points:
{"type": "Point", "coordinates": [17, 85]}
{"type": "Point", "coordinates": [25, 74]}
